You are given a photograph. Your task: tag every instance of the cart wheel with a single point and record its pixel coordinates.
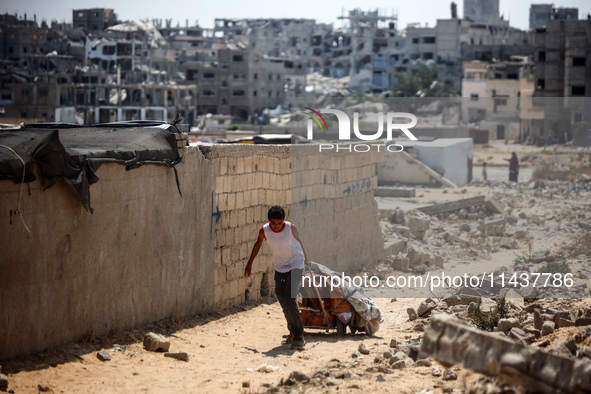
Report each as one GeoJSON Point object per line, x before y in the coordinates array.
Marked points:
{"type": "Point", "coordinates": [341, 328]}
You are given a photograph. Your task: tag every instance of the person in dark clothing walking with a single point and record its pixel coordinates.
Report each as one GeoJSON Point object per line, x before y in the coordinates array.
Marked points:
{"type": "Point", "coordinates": [513, 167]}
{"type": "Point", "coordinates": [289, 258]}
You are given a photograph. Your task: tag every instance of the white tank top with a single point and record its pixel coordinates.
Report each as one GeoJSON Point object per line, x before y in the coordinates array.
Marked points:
{"type": "Point", "coordinates": [287, 251]}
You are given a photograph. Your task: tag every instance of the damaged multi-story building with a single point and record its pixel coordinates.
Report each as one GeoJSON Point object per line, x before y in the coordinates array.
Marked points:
{"type": "Point", "coordinates": [497, 97]}
{"type": "Point", "coordinates": [482, 34]}
{"type": "Point", "coordinates": [110, 79]}
{"type": "Point", "coordinates": [563, 77]}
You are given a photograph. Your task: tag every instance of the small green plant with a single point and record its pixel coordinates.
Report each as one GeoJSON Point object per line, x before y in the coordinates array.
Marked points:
{"type": "Point", "coordinates": [234, 127]}
{"type": "Point", "coordinates": [488, 321]}
{"type": "Point", "coordinates": [554, 267]}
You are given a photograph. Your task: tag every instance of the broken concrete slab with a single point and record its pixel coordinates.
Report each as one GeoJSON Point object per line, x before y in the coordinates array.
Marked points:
{"type": "Point", "coordinates": [452, 205]}
{"type": "Point", "coordinates": [399, 263]}
{"type": "Point", "coordinates": [494, 206]}
{"type": "Point", "coordinates": [103, 356]}
{"type": "Point", "coordinates": [179, 356]}
{"type": "Point", "coordinates": [417, 255]}
{"type": "Point", "coordinates": [505, 325]}
{"type": "Point", "coordinates": [426, 307]}
{"type": "Point", "coordinates": [418, 223]}
{"type": "Point", "coordinates": [394, 247]}
{"type": "Point", "coordinates": [452, 342]}
{"type": "Point", "coordinates": [494, 227]}
{"type": "Point", "coordinates": [389, 191]}
{"type": "Point", "coordinates": [540, 256]}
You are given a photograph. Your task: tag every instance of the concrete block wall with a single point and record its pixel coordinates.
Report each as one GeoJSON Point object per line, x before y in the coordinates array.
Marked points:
{"type": "Point", "coordinates": [328, 196]}
{"type": "Point", "coordinates": [248, 181]}
{"type": "Point", "coordinates": [334, 208]}
{"type": "Point", "coordinates": [147, 253]}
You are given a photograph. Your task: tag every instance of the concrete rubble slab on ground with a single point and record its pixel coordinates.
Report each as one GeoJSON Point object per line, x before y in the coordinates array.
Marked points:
{"type": "Point", "coordinates": [452, 342]}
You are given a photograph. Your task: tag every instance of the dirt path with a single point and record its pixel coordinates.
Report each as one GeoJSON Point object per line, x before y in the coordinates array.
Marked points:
{"type": "Point", "coordinates": [221, 352]}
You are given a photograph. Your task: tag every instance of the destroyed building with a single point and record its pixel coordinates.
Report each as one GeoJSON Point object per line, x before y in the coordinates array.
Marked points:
{"type": "Point", "coordinates": [562, 76]}
{"type": "Point", "coordinates": [94, 19]}
{"type": "Point", "coordinates": [495, 96]}
{"type": "Point", "coordinates": [540, 13]}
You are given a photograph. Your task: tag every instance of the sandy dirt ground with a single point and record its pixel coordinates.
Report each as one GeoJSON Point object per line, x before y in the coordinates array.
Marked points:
{"type": "Point", "coordinates": [227, 348]}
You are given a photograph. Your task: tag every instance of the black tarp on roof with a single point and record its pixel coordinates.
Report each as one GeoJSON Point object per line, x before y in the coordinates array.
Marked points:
{"type": "Point", "coordinates": [74, 153]}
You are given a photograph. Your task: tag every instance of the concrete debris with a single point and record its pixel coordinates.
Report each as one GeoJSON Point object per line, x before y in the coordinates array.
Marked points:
{"type": "Point", "coordinates": [419, 256]}
{"type": "Point", "coordinates": [397, 364]}
{"type": "Point", "coordinates": [103, 356]}
{"type": "Point", "coordinates": [156, 342]}
{"type": "Point", "coordinates": [298, 376]}
{"type": "Point", "coordinates": [3, 381]}
{"type": "Point", "coordinates": [505, 325]}
{"type": "Point", "coordinates": [521, 336]}
{"type": "Point", "coordinates": [426, 306]}
{"type": "Point", "coordinates": [449, 374]}
{"type": "Point", "coordinates": [453, 205]}
{"type": "Point", "coordinates": [452, 342]}
{"type": "Point", "coordinates": [493, 206]}
{"type": "Point", "coordinates": [394, 247]}
{"type": "Point", "coordinates": [179, 356]}
{"type": "Point", "coordinates": [418, 223]}
{"type": "Point", "coordinates": [424, 362]}
{"type": "Point", "coordinates": [362, 349]}
{"type": "Point", "coordinates": [412, 314]}
{"type": "Point", "coordinates": [494, 227]}
{"type": "Point", "coordinates": [540, 256]}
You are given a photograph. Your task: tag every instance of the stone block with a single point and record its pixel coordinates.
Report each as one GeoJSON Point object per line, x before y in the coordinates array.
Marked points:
{"type": "Point", "coordinates": [155, 342]}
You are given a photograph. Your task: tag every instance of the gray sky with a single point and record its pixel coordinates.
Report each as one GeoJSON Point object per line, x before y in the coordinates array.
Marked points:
{"type": "Point", "coordinates": [422, 11]}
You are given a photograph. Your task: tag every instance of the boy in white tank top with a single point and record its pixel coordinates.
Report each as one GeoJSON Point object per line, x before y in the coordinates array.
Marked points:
{"type": "Point", "coordinates": [289, 258]}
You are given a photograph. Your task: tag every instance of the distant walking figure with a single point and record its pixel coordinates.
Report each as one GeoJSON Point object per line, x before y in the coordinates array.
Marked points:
{"type": "Point", "coordinates": [484, 174]}
{"type": "Point", "coordinates": [513, 167]}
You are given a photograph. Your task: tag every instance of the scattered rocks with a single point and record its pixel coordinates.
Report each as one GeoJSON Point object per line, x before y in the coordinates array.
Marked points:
{"type": "Point", "coordinates": [426, 306]}
{"type": "Point", "coordinates": [362, 349]}
{"type": "Point", "coordinates": [420, 327]}
{"type": "Point", "coordinates": [246, 383]}
{"type": "Point", "coordinates": [103, 356]}
{"type": "Point", "coordinates": [298, 376]}
{"type": "Point", "coordinates": [412, 314]}
{"type": "Point", "coordinates": [397, 364]}
{"type": "Point", "coordinates": [521, 336]}
{"type": "Point", "coordinates": [505, 325]}
{"type": "Point", "coordinates": [393, 343]}
{"type": "Point", "coordinates": [179, 356]}
{"type": "Point", "coordinates": [424, 362]}
{"type": "Point", "coordinates": [156, 342]}
{"type": "Point", "coordinates": [418, 223]}
{"type": "Point", "coordinates": [43, 388]}
{"type": "Point", "coordinates": [419, 256]}
{"type": "Point", "coordinates": [449, 374]}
